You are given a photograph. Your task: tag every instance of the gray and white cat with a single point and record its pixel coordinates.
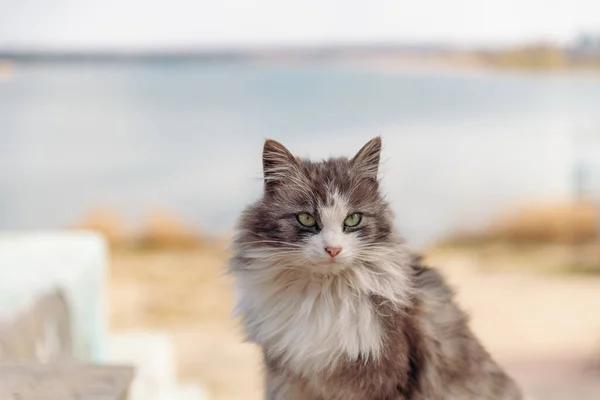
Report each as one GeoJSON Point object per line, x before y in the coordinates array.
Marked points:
{"type": "Point", "coordinates": [340, 308]}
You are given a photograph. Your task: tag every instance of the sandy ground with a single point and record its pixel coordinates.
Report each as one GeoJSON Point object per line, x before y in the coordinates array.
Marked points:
{"type": "Point", "coordinates": [543, 329]}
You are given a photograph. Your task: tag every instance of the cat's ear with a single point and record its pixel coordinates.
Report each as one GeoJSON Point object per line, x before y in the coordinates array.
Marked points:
{"type": "Point", "coordinates": [278, 163]}
{"type": "Point", "coordinates": [366, 161]}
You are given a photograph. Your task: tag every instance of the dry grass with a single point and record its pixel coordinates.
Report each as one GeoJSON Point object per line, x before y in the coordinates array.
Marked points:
{"type": "Point", "coordinates": [549, 223]}
{"type": "Point", "coordinates": [551, 237]}
{"type": "Point", "coordinates": [106, 222]}
{"type": "Point", "coordinates": [163, 230]}
{"type": "Point", "coordinates": [160, 230]}
{"type": "Point", "coordinates": [536, 57]}
{"type": "Point", "coordinates": [540, 259]}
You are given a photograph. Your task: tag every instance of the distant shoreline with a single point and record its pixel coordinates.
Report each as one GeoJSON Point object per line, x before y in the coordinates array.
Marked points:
{"type": "Point", "coordinates": [535, 59]}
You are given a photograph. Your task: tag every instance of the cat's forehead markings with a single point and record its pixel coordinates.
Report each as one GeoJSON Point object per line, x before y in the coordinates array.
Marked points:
{"type": "Point", "coordinates": [335, 210]}
{"type": "Point", "coordinates": [331, 195]}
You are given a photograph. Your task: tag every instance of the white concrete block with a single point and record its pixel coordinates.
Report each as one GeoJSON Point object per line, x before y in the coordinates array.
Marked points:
{"type": "Point", "coordinates": [186, 391]}
{"type": "Point", "coordinates": [151, 354]}
{"type": "Point", "coordinates": [35, 264]}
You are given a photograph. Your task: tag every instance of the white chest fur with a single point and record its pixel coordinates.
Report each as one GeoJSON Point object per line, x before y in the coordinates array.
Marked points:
{"type": "Point", "coordinates": [310, 325]}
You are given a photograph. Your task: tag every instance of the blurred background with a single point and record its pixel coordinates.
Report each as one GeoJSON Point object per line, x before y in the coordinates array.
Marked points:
{"type": "Point", "coordinates": [144, 121]}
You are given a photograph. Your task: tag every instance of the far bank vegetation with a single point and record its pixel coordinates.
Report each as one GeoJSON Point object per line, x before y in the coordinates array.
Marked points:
{"type": "Point", "coordinates": [549, 237]}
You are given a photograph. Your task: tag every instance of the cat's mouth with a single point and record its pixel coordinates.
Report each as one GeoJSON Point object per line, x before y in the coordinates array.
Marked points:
{"type": "Point", "coordinates": [329, 266]}
{"type": "Point", "coordinates": [330, 261]}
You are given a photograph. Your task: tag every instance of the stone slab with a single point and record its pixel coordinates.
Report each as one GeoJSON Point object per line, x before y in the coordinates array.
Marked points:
{"type": "Point", "coordinates": [42, 333]}
{"type": "Point", "coordinates": [64, 382]}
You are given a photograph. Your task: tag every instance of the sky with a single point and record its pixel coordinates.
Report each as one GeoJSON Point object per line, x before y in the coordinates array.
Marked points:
{"type": "Point", "coordinates": [147, 24]}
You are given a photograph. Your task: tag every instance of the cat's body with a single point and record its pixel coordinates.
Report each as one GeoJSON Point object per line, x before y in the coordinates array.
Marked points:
{"type": "Point", "coordinates": [340, 308]}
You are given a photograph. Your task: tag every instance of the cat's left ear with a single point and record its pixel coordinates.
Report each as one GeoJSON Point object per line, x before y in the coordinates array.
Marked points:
{"type": "Point", "coordinates": [366, 161]}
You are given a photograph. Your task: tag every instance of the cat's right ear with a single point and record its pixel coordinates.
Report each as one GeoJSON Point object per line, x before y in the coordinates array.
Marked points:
{"type": "Point", "coordinates": [366, 161]}
{"type": "Point", "coordinates": [278, 164]}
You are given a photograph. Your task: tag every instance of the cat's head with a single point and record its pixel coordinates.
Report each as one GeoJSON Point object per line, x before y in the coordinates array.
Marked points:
{"type": "Point", "coordinates": [323, 216]}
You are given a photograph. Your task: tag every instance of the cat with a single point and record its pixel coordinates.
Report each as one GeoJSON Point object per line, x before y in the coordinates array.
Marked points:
{"type": "Point", "coordinates": [339, 306]}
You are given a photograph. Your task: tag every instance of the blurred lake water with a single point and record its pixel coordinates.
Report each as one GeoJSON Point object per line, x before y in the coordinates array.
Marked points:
{"type": "Point", "coordinates": [187, 137]}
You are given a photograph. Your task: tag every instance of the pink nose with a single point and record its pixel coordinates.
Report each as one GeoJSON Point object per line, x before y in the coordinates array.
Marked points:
{"type": "Point", "coordinates": [333, 251]}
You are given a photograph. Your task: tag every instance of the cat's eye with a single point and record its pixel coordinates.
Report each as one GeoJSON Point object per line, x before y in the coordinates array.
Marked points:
{"type": "Point", "coordinates": [353, 220]}
{"type": "Point", "coordinates": [306, 220]}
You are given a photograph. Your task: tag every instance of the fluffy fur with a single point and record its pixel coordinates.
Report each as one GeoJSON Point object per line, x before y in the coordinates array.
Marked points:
{"type": "Point", "coordinates": [369, 323]}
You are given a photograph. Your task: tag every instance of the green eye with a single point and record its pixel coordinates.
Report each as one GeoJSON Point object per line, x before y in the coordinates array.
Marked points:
{"type": "Point", "coordinates": [353, 220]}
{"type": "Point", "coordinates": [306, 220]}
